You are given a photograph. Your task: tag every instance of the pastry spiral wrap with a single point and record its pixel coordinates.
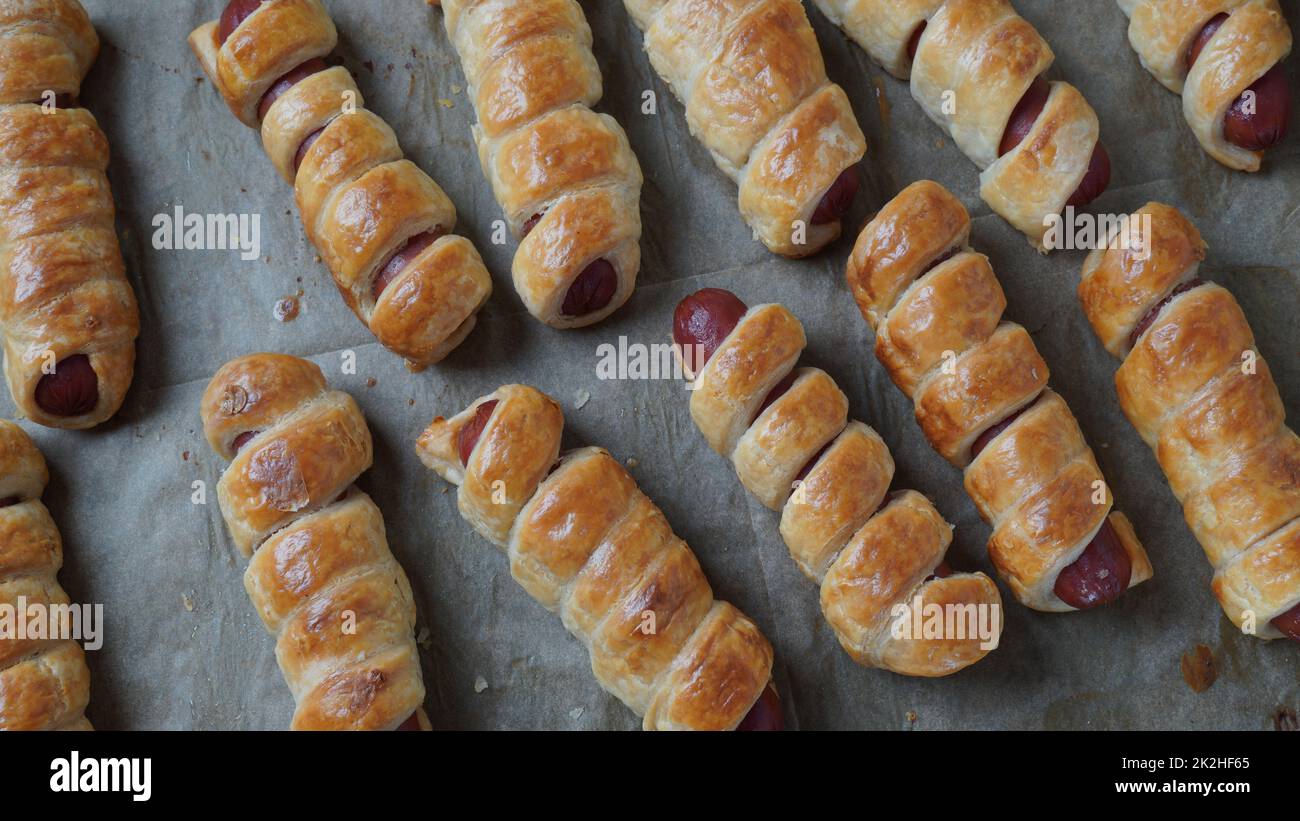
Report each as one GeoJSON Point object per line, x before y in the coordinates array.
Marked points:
{"type": "Point", "coordinates": [974, 62]}
{"type": "Point", "coordinates": [587, 544]}
{"type": "Point", "coordinates": [1201, 395]}
{"type": "Point", "coordinates": [875, 554]}
{"type": "Point", "coordinates": [361, 201]}
{"type": "Point", "coordinates": [63, 286]}
{"type": "Point", "coordinates": [1254, 39]}
{"type": "Point", "coordinates": [564, 175]}
{"type": "Point", "coordinates": [936, 308]}
{"type": "Point", "coordinates": [321, 575]}
{"type": "Point", "coordinates": [751, 76]}
{"type": "Point", "coordinates": [44, 683]}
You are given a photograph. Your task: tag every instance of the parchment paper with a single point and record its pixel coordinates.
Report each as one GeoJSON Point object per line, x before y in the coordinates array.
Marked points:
{"type": "Point", "coordinates": [183, 648]}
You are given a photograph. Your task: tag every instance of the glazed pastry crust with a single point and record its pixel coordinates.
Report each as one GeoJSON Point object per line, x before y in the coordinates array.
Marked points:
{"type": "Point", "coordinates": [63, 285]}
{"type": "Point", "coordinates": [44, 683]}
{"type": "Point", "coordinates": [1253, 39]}
{"type": "Point", "coordinates": [1199, 392]}
{"type": "Point", "coordinates": [588, 544]}
{"type": "Point", "coordinates": [974, 61]}
{"type": "Point", "coordinates": [361, 201]}
{"type": "Point", "coordinates": [832, 521]}
{"type": "Point", "coordinates": [533, 80]}
{"type": "Point", "coordinates": [751, 77]}
{"type": "Point", "coordinates": [937, 309]}
{"type": "Point", "coordinates": [319, 554]}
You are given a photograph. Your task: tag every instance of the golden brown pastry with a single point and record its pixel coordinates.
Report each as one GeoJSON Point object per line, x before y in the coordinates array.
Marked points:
{"type": "Point", "coordinates": [587, 544]}
{"type": "Point", "coordinates": [565, 176]}
{"type": "Point", "coordinates": [878, 556]}
{"type": "Point", "coordinates": [68, 314]}
{"type": "Point", "coordinates": [980, 388]}
{"type": "Point", "coordinates": [976, 68]}
{"type": "Point", "coordinates": [1225, 58]}
{"type": "Point", "coordinates": [44, 683]}
{"type": "Point", "coordinates": [381, 225]}
{"type": "Point", "coordinates": [1201, 395]}
{"type": "Point", "coordinates": [751, 76]}
{"type": "Point", "coordinates": [321, 575]}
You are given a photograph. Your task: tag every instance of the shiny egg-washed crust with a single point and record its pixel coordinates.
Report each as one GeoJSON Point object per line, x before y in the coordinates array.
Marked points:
{"type": "Point", "coordinates": [868, 561]}
{"type": "Point", "coordinates": [321, 575]}
{"type": "Point", "coordinates": [44, 683]}
{"type": "Point", "coordinates": [533, 79]}
{"type": "Point", "coordinates": [1253, 39]}
{"type": "Point", "coordinates": [751, 77]}
{"type": "Point", "coordinates": [941, 336]}
{"type": "Point", "coordinates": [586, 543]}
{"type": "Point", "coordinates": [974, 62]}
{"type": "Point", "coordinates": [360, 200]}
{"type": "Point", "coordinates": [63, 286]}
{"type": "Point", "coordinates": [1201, 395]}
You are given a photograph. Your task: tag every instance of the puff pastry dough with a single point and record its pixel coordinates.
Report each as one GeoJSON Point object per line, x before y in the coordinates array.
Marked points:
{"type": "Point", "coordinates": [69, 316]}
{"type": "Point", "coordinates": [565, 176]}
{"type": "Point", "coordinates": [869, 550]}
{"type": "Point", "coordinates": [1253, 39]}
{"type": "Point", "coordinates": [361, 202]}
{"type": "Point", "coordinates": [751, 76]}
{"type": "Point", "coordinates": [936, 308]}
{"type": "Point", "coordinates": [973, 63]}
{"type": "Point", "coordinates": [1201, 395]}
{"type": "Point", "coordinates": [587, 544]}
{"type": "Point", "coordinates": [317, 544]}
{"type": "Point", "coordinates": [44, 683]}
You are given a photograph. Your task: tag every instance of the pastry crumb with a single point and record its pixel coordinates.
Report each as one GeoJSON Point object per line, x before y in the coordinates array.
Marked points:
{"type": "Point", "coordinates": [581, 398]}
{"type": "Point", "coordinates": [576, 713]}
{"type": "Point", "coordinates": [1198, 668]}
{"type": "Point", "coordinates": [445, 103]}
{"type": "Point", "coordinates": [632, 462]}
{"type": "Point", "coordinates": [480, 684]}
{"type": "Point", "coordinates": [188, 601]}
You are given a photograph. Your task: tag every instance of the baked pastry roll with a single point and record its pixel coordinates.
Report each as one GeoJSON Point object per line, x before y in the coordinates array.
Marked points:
{"type": "Point", "coordinates": [976, 67]}
{"type": "Point", "coordinates": [381, 225]}
{"type": "Point", "coordinates": [1201, 395]}
{"type": "Point", "coordinates": [751, 76]}
{"type": "Point", "coordinates": [67, 312]}
{"type": "Point", "coordinates": [564, 175]}
{"type": "Point", "coordinates": [980, 388]}
{"type": "Point", "coordinates": [44, 683]}
{"type": "Point", "coordinates": [321, 575]}
{"type": "Point", "coordinates": [878, 556]}
{"type": "Point", "coordinates": [1225, 58]}
{"type": "Point", "coordinates": [587, 544]}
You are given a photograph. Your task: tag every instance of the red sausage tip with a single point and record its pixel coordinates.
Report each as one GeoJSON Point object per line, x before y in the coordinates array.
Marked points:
{"type": "Point", "coordinates": [702, 321]}
{"type": "Point", "coordinates": [72, 390]}
{"type": "Point", "coordinates": [1099, 575]}
{"type": "Point", "coordinates": [765, 715]}
{"type": "Point", "coordinates": [592, 290]}
{"type": "Point", "coordinates": [469, 435]}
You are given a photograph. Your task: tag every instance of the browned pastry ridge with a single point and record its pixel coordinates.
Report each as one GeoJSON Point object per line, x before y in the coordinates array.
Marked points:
{"type": "Point", "coordinates": [321, 575]}
{"type": "Point", "coordinates": [877, 556]}
{"type": "Point", "coordinates": [381, 225]}
{"type": "Point", "coordinates": [1200, 394]}
{"type": "Point", "coordinates": [586, 543]}
{"type": "Point", "coordinates": [565, 176]}
{"type": "Point", "coordinates": [976, 68]}
{"type": "Point", "coordinates": [980, 388]}
{"type": "Point", "coordinates": [68, 314]}
{"type": "Point", "coordinates": [44, 683]}
{"type": "Point", "coordinates": [751, 77]}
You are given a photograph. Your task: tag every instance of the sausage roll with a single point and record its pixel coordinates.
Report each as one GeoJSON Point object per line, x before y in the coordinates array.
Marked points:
{"type": "Point", "coordinates": [751, 76]}
{"type": "Point", "coordinates": [565, 176]}
{"type": "Point", "coordinates": [67, 312]}
{"type": "Point", "coordinates": [1199, 393]}
{"type": "Point", "coordinates": [1225, 58]}
{"type": "Point", "coordinates": [980, 388]}
{"type": "Point", "coordinates": [44, 683]}
{"type": "Point", "coordinates": [321, 575]}
{"type": "Point", "coordinates": [976, 67]}
{"type": "Point", "coordinates": [381, 225]}
{"type": "Point", "coordinates": [878, 556]}
{"type": "Point", "coordinates": [587, 544]}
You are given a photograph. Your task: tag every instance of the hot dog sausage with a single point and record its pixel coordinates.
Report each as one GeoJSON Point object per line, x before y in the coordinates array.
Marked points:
{"type": "Point", "coordinates": [1257, 120]}
{"type": "Point", "coordinates": [72, 390]}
